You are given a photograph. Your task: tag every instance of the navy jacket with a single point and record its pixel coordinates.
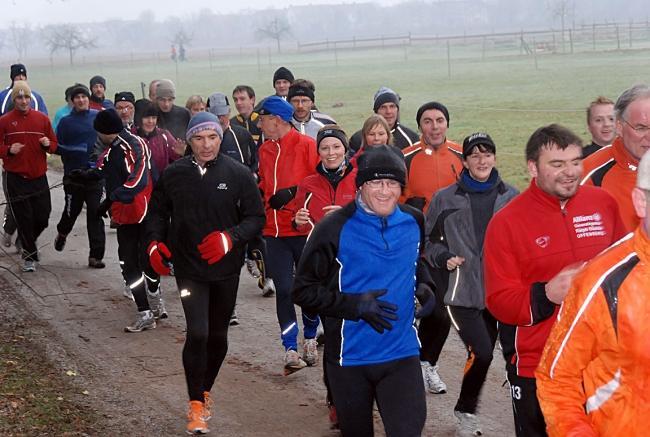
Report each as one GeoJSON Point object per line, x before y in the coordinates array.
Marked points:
{"type": "Point", "coordinates": [76, 136]}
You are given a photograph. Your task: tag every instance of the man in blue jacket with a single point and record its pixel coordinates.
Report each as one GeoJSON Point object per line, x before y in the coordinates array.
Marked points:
{"type": "Point", "coordinates": [358, 271]}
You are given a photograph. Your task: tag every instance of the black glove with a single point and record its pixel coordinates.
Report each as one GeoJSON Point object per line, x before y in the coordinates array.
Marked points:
{"type": "Point", "coordinates": [92, 174]}
{"type": "Point", "coordinates": [416, 202]}
{"type": "Point", "coordinates": [76, 173]}
{"type": "Point", "coordinates": [375, 311]}
{"type": "Point", "coordinates": [282, 197]}
{"type": "Point", "coordinates": [427, 301]}
{"type": "Point", "coordinates": [102, 210]}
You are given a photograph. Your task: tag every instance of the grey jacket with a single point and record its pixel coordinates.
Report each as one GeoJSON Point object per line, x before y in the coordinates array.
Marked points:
{"type": "Point", "coordinates": [450, 231]}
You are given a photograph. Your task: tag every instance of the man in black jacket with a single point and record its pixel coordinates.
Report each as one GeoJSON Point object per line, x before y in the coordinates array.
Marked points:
{"type": "Point", "coordinates": [204, 209]}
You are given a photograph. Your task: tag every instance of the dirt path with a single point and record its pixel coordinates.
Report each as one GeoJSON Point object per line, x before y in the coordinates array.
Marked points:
{"type": "Point", "coordinates": [137, 382]}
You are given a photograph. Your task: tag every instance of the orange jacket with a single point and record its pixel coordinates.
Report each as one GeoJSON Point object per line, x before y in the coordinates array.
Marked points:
{"type": "Point", "coordinates": [614, 169]}
{"type": "Point", "coordinates": [593, 378]}
{"type": "Point", "coordinates": [429, 170]}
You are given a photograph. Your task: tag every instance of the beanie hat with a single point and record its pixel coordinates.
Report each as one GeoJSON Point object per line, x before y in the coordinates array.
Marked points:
{"type": "Point", "coordinates": [97, 79]}
{"type": "Point", "coordinates": [149, 111]}
{"type": "Point", "coordinates": [107, 122]}
{"type": "Point", "coordinates": [643, 172]}
{"type": "Point", "coordinates": [125, 96]}
{"type": "Point", "coordinates": [381, 162]}
{"type": "Point", "coordinates": [165, 89]}
{"type": "Point", "coordinates": [478, 139]}
{"type": "Point", "coordinates": [275, 105]}
{"type": "Point", "coordinates": [218, 104]}
{"type": "Point", "coordinates": [79, 88]}
{"type": "Point", "coordinates": [68, 93]}
{"type": "Point", "coordinates": [17, 69]}
{"type": "Point", "coordinates": [385, 95]}
{"type": "Point", "coordinates": [203, 121]}
{"type": "Point", "coordinates": [20, 88]}
{"type": "Point", "coordinates": [432, 105]}
{"type": "Point", "coordinates": [300, 90]}
{"type": "Point", "coordinates": [331, 130]}
{"type": "Point", "coordinates": [282, 73]}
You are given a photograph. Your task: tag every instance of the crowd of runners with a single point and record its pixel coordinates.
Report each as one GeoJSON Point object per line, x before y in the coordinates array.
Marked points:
{"type": "Point", "coordinates": [385, 238]}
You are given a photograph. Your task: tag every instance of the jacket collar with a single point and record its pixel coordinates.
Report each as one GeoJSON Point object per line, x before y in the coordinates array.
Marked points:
{"type": "Point", "coordinates": [622, 156]}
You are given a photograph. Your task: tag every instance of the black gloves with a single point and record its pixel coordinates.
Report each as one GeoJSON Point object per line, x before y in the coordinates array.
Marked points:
{"type": "Point", "coordinates": [427, 301]}
{"type": "Point", "coordinates": [374, 311]}
{"type": "Point", "coordinates": [416, 202]}
{"type": "Point", "coordinates": [282, 197]}
{"type": "Point", "coordinates": [102, 210]}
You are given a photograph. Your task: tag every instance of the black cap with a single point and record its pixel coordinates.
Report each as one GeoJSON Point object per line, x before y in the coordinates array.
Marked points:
{"type": "Point", "coordinates": [125, 96]}
{"type": "Point", "coordinates": [331, 130]}
{"type": "Point", "coordinates": [17, 69]}
{"type": "Point", "coordinates": [79, 88]}
{"type": "Point", "coordinates": [97, 79]}
{"type": "Point", "coordinates": [108, 122]}
{"type": "Point", "coordinates": [381, 162]}
{"type": "Point", "coordinates": [432, 105]}
{"type": "Point", "coordinates": [478, 139]}
{"type": "Point", "coordinates": [300, 90]}
{"type": "Point", "coordinates": [282, 73]}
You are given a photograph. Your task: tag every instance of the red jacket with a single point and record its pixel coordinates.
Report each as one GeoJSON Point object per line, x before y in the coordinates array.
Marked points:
{"type": "Point", "coordinates": [526, 244]}
{"type": "Point", "coordinates": [614, 169]}
{"type": "Point", "coordinates": [429, 170]}
{"type": "Point", "coordinates": [26, 128]}
{"type": "Point", "coordinates": [283, 164]}
{"type": "Point", "coordinates": [316, 192]}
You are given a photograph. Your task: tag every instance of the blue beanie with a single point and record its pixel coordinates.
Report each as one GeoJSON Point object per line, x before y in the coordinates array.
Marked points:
{"type": "Point", "coordinates": [275, 105]}
{"type": "Point", "coordinates": [203, 121]}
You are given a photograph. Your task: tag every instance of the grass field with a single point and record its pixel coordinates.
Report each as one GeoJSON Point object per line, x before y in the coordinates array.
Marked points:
{"type": "Point", "coordinates": [508, 97]}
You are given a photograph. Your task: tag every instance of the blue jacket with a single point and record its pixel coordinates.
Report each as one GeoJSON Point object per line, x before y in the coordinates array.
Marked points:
{"type": "Point", "coordinates": [76, 136]}
{"type": "Point", "coordinates": [6, 104]}
{"type": "Point", "coordinates": [352, 251]}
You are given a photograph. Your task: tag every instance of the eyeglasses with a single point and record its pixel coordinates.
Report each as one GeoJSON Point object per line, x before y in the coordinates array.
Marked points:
{"type": "Point", "coordinates": [377, 184]}
{"type": "Point", "coordinates": [640, 129]}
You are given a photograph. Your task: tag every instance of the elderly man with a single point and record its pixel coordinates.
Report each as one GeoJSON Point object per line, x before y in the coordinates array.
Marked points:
{"type": "Point", "coordinates": [593, 376]}
{"type": "Point", "coordinates": [533, 248]}
{"type": "Point", "coordinates": [368, 309]}
{"type": "Point", "coordinates": [386, 103]}
{"type": "Point", "coordinates": [26, 136]}
{"type": "Point", "coordinates": [614, 168]}
{"type": "Point", "coordinates": [125, 107]}
{"type": "Point", "coordinates": [204, 210]}
{"type": "Point", "coordinates": [600, 122]}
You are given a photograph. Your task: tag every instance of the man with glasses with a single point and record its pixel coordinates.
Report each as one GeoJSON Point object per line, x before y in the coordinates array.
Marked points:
{"type": "Point", "coordinates": [614, 167]}
{"type": "Point", "coordinates": [125, 107]}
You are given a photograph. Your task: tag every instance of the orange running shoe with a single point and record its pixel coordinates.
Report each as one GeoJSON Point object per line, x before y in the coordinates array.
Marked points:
{"type": "Point", "coordinates": [195, 421]}
{"type": "Point", "coordinates": [207, 406]}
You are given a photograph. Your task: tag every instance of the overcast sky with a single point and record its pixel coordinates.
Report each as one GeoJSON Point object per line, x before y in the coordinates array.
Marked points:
{"type": "Point", "coordinates": [67, 11]}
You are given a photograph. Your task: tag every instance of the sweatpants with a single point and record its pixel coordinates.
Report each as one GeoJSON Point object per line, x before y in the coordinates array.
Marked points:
{"type": "Point", "coordinates": [134, 262]}
{"type": "Point", "coordinates": [207, 307]}
{"type": "Point", "coordinates": [478, 330]}
{"type": "Point", "coordinates": [76, 194]}
{"type": "Point", "coordinates": [529, 419]}
{"type": "Point", "coordinates": [397, 387]}
{"type": "Point", "coordinates": [283, 256]}
{"type": "Point", "coordinates": [434, 328]}
{"type": "Point", "coordinates": [30, 203]}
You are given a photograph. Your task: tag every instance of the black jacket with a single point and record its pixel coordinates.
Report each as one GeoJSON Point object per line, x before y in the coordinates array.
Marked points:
{"type": "Point", "coordinates": [190, 202]}
{"type": "Point", "coordinates": [239, 144]}
{"type": "Point", "coordinates": [175, 121]}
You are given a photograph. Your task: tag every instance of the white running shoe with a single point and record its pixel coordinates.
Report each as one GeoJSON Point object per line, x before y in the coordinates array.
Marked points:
{"type": "Point", "coordinates": [293, 362]}
{"type": "Point", "coordinates": [432, 381]}
{"type": "Point", "coordinates": [128, 293]}
{"type": "Point", "coordinates": [157, 304]}
{"type": "Point", "coordinates": [310, 351]}
{"type": "Point", "coordinates": [268, 289]}
{"type": "Point", "coordinates": [29, 266]}
{"type": "Point", "coordinates": [467, 424]}
{"type": "Point", "coordinates": [251, 266]}
{"type": "Point", "coordinates": [143, 320]}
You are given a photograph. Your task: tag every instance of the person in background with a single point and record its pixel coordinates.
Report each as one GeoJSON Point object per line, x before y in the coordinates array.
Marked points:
{"type": "Point", "coordinates": [244, 98]}
{"type": "Point", "coordinates": [195, 104]}
{"type": "Point", "coordinates": [63, 110]}
{"type": "Point", "coordinates": [375, 132]}
{"type": "Point", "coordinates": [170, 116]}
{"type": "Point", "coordinates": [125, 107]}
{"type": "Point", "coordinates": [19, 72]}
{"type": "Point", "coordinates": [98, 100]}
{"type": "Point", "coordinates": [601, 124]}
{"type": "Point", "coordinates": [305, 118]}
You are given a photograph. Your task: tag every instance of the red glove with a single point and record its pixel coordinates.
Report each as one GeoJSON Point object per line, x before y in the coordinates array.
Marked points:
{"type": "Point", "coordinates": [160, 258]}
{"type": "Point", "coordinates": [214, 246]}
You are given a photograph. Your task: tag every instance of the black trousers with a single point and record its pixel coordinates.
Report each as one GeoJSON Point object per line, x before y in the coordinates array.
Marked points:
{"type": "Point", "coordinates": [76, 194]}
{"type": "Point", "coordinates": [478, 330]}
{"type": "Point", "coordinates": [207, 307]}
{"type": "Point", "coordinates": [134, 262]}
{"type": "Point", "coordinates": [434, 329]}
{"type": "Point", "coordinates": [397, 387]}
{"type": "Point", "coordinates": [30, 204]}
{"type": "Point", "coordinates": [529, 419]}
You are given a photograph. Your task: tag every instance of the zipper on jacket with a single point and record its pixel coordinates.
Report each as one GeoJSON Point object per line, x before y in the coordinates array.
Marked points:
{"type": "Point", "coordinates": [384, 225]}
{"type": "Point", "coordinates": [275, 187]}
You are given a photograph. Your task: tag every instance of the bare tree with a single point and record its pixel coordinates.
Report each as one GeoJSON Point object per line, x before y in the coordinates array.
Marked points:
{"type": "Point", "coordinates": [562, 9]}
{"type": "Point", "coordinates": [67, 37]}
{"type": "Point", "coordinates": [21, 37]}
{"type": "Point", "coordinates": [276, 30]}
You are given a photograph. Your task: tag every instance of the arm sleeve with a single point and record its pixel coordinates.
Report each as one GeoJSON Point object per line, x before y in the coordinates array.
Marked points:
{"type": "Point", "coordinates": [570, 348]}
{"type": "Point", "coordinates": [49, 133]}
{"type": "Point", "coordinates": [138, 177]}
{"type": "Point", "coordinates": [159, 214]}
{"type": "Point", "coordinates": [251, 212]}
{"type": "Point", "coordinates": [436, 251]}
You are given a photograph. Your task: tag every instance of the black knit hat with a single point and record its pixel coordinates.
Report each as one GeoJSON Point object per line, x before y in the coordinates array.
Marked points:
{"type": "Point", "coordinates": [282, 73]}
{"type": "Point", "coordinates": [381, 162]}
{"type": "Point", "coordinates": [432, 105]}
{"type": "Point", "coordinates": [97, 79]}
{"type": "Point", "coordinates": [385, 95]}
{"type": "Point", "coordinates": [149, 110]}
{"type": "Point", "coordinates": [108, 122]}
{"type": "Point", "coordinates": [125, 96]}
{"type": "Point", "coordinates": [17, 69]}
{"type": "Point", "coordinates": [79, 88]}
{"type": "Point", "coordinates": [331, 130]}
{"type": "Point", "coordinates": [478, 139]}
{"type": "Point", "coordinates": [300, 90]}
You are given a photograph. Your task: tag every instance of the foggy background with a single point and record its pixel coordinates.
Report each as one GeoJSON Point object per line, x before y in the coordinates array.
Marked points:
{"type": "Point", "coordinates": [38, 28]}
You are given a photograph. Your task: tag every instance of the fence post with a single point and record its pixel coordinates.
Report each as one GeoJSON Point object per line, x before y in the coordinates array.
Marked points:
{"type": "Point", "coordinates": [336, 55]}
{"type": "Point", "coordinates": [382, 42]}
{"type": "Point", "coordinates": [483, 48]}
{"type": "Point", "coordinates": [410, 41]}
{"type": "Point", "coordinates": [448, 59]}
{"type": "Point", "coordinates": [618, 38]}
{"type": "Point", "coordinates": [554, 48]}
{"type": "Point", "coordinates": [268, 50]}
{"type": "Point", "coordinates": [259, 61]}
{"type": "Point", "coordinates": [521, 45]}
{"type": "Point", "coordinates": [571, 40]}
{"type": "Point", "coordinates": [354, 42]}
{"type": "Point", "coordinates": [535, 53]}
{"type": "Point", "coordinates": [593, 36]}
{"type": "Point", "coordinates": [630, 33]}
{"type": "Point", "coordinates": [406, 54]}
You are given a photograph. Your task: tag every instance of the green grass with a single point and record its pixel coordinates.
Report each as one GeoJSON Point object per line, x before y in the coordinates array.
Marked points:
{"type": "Point", "coordinates": [504, 95]}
